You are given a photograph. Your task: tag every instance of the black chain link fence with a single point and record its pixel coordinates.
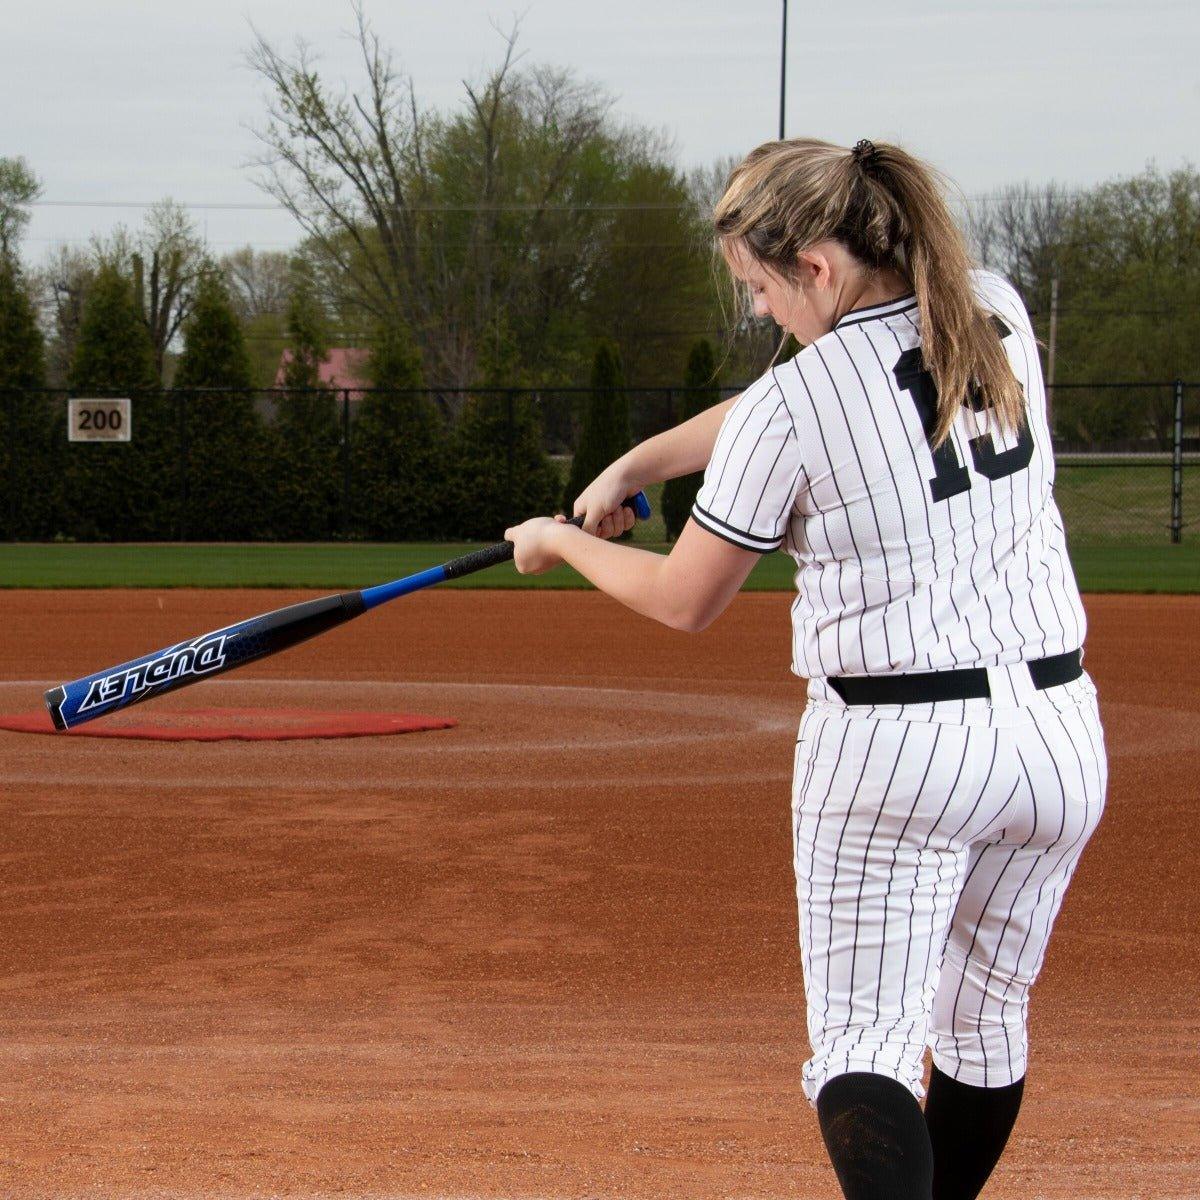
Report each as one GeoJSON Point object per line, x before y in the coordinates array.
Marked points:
{"type": "Point", "coordinates": [308, 465]}
{"type": "Point", "coordinates": [1125, 456]}
{"type": "Point", "coordinates": [300, 465]}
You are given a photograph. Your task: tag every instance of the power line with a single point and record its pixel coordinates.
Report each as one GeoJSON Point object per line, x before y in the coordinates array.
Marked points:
{"type": "Point", "coordinates": [248, 206]}
{"type": "Point", "coordinates": [456, 244]}
{"type": "Point", "coordinates": [245, 206]}
{"type": "Point", "coordinates": [83, 241]}
{"type": "Point", "coordinates": [233, 207]}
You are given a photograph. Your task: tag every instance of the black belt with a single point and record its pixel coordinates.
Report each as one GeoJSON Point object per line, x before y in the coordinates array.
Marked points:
{"type": "Point", "coordinates": [932, 686]}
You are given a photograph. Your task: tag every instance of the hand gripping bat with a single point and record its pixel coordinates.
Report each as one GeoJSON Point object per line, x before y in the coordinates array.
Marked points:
{"type": "Point", "coordinates": [222, 650]}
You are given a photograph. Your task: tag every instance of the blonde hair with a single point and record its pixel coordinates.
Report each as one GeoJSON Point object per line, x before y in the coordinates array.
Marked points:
{"type": "Point", "coordinates": [887, 208]}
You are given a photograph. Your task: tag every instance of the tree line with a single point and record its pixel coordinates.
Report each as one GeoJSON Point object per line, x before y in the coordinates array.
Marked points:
{"type": "Point", "coordinates": [208, 462]}
{"type": "Point", "coordinates": [1111, 276]}
{"type": "Point", "coordinates": [528, 238]}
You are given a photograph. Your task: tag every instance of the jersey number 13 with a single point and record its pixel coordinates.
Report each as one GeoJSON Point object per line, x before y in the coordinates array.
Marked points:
{"type": "Point", "coordinates": [950, 476]}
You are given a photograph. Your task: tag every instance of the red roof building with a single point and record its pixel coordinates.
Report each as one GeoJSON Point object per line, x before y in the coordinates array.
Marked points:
{"type": "Point", "coordinates": [342, 367]}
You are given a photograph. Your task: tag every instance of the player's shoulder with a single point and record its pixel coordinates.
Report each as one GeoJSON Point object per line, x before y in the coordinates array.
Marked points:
{"type": "Point", "coordinates": [764, 392]}
{"type": "Point", "coordinates": [819, 373]}
{"type": "Point", "coordinates": [987, 283]}
{"type": "Point", "coordinates": [770, 399]}
{"type": "Point", "coordinates": [997, 295]}
{"type": "Point", "coordinates": [789, 389]}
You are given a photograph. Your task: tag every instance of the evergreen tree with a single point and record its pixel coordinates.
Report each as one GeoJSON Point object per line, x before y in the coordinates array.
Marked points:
{"type": "Point", "coordinates": [308, 334]}
{"type": "Point", "coordinates": [32, 437]}
{"type": "Point", "coordinates": [22, 353]}
{"type": "Point", "coordinates": [113, 353]}
{"type": "Point", "coordinates": [499, 472]}
{"type": "Point", "coordinates": [680, 494]}
{"type": "Point", "coordinates": [398, 448]}
{"type": "Point", "coordinates": [306, 474]}
{"type": "Point", "coordinates": [123, 491]}
{"type": "Point", "coordinates": [605, 434]}
{"type": "Point", "coordinates": [226, 442]}
{"type": "Point", "coordinates": [214, 348]}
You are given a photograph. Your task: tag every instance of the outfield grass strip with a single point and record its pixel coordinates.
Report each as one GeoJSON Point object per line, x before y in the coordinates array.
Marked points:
{"type": "Point", "coordinates": [1101, 567]}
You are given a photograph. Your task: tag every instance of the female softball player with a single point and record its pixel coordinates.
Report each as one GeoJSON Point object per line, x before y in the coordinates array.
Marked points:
{"type": "Point", "coordinates": [950, 765]}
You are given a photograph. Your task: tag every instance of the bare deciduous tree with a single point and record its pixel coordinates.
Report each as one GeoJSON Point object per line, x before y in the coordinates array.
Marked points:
{"type": "Point", "coordinates": [707, 184]}
{"type": "Point", "coordinates": [471, 230]}
{"type": "Point", "coordinates": [62, 283]}
{"type": "Point", "coordinates": [259, 281]}
{"type": "Point", "coordinates": [164, 259]}
{"type": "Point", "coordinates": [1022, 231]}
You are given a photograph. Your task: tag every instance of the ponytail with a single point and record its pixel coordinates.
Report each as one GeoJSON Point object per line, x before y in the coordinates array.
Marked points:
{"type": "Point", "coordinates": [887, 208]}
{"type": "Point", "coordinates": [958, 338]}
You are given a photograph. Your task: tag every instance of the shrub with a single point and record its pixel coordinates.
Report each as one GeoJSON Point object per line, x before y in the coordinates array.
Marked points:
{"type": "Point", "coordinates": [398, 449]}
{"type": "Point", "coordinates": [128, 491]}
{"type": "Point", "coordinates": [605, 434]}
{"type": "Point", "coordinates": [32, 439]}
{"type": "Point", "coordinates": [499, 473]}
{"type": "Point", "coordinates": [702, 392]}
{"type": "Point", "coordinates": [226, 442]}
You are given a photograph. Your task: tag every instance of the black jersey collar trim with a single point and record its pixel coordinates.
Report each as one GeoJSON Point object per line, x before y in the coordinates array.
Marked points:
{"type": "Point", "coordinates": [872, 312]}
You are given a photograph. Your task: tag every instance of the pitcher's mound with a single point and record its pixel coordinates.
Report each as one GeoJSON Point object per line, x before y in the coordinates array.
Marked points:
{"type": "Point", "coordinates": [232, 724]}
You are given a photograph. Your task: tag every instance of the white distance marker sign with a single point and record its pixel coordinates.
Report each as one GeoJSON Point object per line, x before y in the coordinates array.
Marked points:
{"type": "Point", "coordinates": [99, 420]}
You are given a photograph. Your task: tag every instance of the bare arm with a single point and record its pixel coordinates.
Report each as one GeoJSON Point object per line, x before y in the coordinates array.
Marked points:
{"type": "Point", "coordinates": [686, 589]}
{"type": "Point", "coordinates": [678, 451]}
{"type": "Point", "coordinates": [675, 452]}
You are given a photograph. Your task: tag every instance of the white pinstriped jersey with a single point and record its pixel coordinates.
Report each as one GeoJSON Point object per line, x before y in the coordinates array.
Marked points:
{"type": "Point", "coordinates": [907, 560]}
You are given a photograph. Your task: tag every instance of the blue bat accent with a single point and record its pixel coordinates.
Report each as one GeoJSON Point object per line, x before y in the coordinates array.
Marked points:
{"type": "Point", "coordinates": [187, 662]}
{"type": "Point", "coordinates": [138, 679]}
{"type": "Point", "coordinates": [223, 649]}
{"type": "Point", "coordinates": [373, 597]}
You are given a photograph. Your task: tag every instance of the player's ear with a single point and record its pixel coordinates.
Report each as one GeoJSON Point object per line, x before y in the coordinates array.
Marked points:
{"type": "Point", "coordinates": [814, 267]}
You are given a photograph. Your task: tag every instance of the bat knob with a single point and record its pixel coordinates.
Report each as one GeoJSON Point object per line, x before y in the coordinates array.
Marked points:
{"type": "Point", "coordinates": [640, 505]}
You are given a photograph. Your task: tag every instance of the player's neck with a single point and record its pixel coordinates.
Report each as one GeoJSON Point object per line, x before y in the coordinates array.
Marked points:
{"type": "Point", "coordinates": [869, 290]}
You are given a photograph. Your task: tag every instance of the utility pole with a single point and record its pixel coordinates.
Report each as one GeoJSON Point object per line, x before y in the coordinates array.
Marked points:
{"type": "Point", "coordinates": [783, 71]}
{"type": "Point", "coordinates": [1050, 352]}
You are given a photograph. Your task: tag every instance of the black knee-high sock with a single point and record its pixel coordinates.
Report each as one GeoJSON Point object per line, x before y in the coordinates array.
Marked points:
{"type": "Point", "coordinates": [876, 1138]}
{"type": "Point", "coordinates": [968, 1129]}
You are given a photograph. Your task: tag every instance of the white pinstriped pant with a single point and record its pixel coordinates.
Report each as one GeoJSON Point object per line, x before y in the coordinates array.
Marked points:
{"type": "Point", "coordinates": [933, 844]}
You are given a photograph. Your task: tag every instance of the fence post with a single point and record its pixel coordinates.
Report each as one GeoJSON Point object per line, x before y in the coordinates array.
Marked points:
{"type": "Point", "coordinates": [184, 466]}
{"type": "Point", "coordinates": [10, 398]}
{"type": "Point", "coordinates": [1177, 467]}
{"type": "Point", "coordinates": [345, 462]}
{"type": "Point", "coordinates": [508, 481]}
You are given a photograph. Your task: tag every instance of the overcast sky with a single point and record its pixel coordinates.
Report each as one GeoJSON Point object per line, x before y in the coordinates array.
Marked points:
{"type": "Point", "coordinates": [125, 102]}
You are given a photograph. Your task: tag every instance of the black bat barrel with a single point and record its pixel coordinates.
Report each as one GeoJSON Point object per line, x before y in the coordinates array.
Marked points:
{"type": "Point", "coordinates": [200, 658]}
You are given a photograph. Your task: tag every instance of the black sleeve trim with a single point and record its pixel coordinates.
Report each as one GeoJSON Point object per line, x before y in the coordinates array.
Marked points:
{"type": "Point", "coordinates": [728, 533]}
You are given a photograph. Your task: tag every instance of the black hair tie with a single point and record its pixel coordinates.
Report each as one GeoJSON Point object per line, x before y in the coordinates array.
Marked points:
{"type": "Point", "coordinates": [864, 152]}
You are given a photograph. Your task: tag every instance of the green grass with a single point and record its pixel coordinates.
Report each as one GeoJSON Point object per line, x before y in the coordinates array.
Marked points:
{"type": "Point", "coordinates": [1147, 568]}
{"type": "Point", "coordinates": [1144, 568]}
{"type": "Point", "coordinates": [1116, 513]}
{"type": "Point", "coordinates": [1119, 502]}
{"type": "Point", "coordinates": [334, 565]}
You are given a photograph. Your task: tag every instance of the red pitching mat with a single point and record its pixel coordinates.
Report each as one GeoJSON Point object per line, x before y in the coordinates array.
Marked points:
{"type": "Point", "coordinates": [232, 724]}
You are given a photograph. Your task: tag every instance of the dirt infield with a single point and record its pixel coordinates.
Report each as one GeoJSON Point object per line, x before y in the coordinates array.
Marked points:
{"type": "Point", "coordinates": [550, 953]}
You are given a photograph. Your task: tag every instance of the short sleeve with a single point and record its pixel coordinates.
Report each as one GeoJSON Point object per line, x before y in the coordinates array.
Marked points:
{"type": "Point", "coordinates": [750, 484]}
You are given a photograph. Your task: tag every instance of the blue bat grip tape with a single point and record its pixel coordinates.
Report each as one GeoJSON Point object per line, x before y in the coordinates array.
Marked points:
{"type": "Point", "coordinates": [374, 596]}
